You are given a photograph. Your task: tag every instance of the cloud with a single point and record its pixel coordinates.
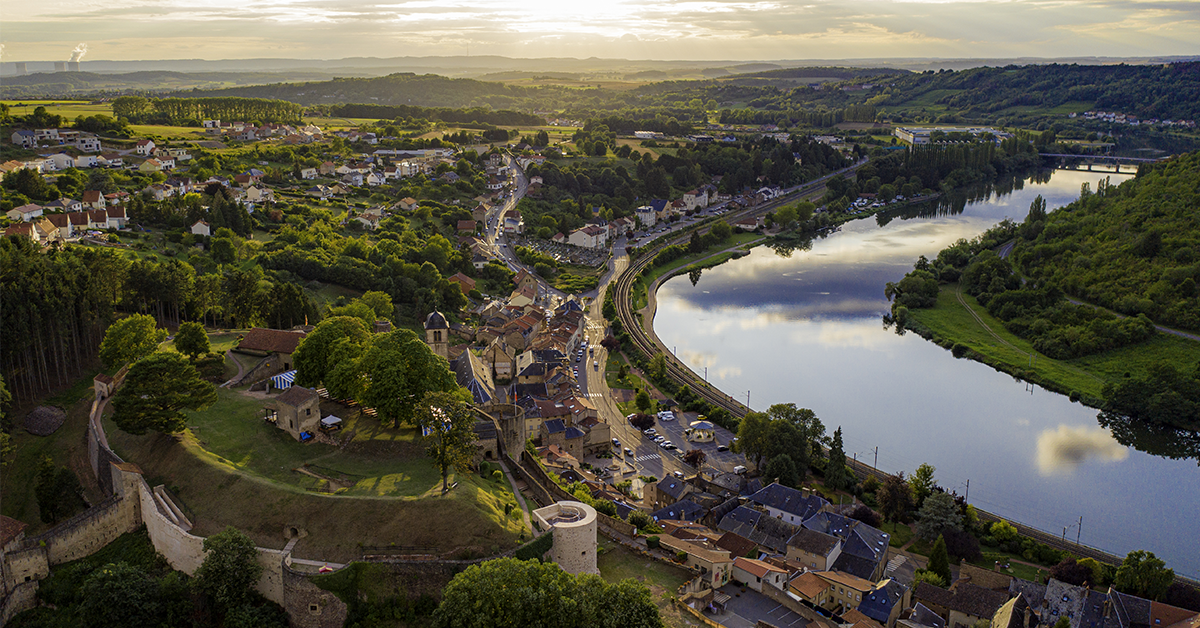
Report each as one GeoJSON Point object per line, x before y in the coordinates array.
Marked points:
{"type": "Point", "coordinates": [689, 29]}
{"type": "Point", "coordinates": [1062, 449]}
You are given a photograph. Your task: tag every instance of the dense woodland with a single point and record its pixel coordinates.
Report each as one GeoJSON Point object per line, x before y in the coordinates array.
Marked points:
{"type": "Point", "coordinates": [192, 111]}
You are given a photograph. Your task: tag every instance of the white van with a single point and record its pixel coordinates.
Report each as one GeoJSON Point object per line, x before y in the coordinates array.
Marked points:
{"type": "Point", "coordinates": [739, 469]}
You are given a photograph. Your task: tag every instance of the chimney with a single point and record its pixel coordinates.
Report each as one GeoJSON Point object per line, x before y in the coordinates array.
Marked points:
{"type": "Point", "coordinates": [60, 66]}
{"type": "Point", "coordinates": [21, 69]}
{"type": "Point", "coordinates": [72, 66]}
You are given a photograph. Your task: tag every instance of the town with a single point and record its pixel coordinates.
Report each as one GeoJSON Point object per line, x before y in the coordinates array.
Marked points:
{"type": "Point", "coordinates": [313, 371]}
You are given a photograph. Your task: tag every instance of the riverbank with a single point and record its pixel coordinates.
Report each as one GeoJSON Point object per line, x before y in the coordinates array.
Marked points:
{"type": "Point", "coordinates": [960, 324]}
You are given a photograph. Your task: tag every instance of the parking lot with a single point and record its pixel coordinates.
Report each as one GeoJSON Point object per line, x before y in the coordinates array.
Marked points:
{"type": "Point", "coordinates": [563, 253]}
{"type": "Point", "coordinates": [747, 607]}
{"type": "Point", "coordinates": [674, 432]}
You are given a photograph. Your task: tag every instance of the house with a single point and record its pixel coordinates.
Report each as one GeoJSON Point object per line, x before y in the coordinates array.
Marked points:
{"type": "Point", "coordinates": [756, 574]}
{"type": "Point", "coordinates": [201, 228]}
{"type": "Point", "coordinates": [408, 204]}
{"type": "Point", "coordinates": [112, 160]}
{"type": "Point", "coordinates": [260, 194]}
{"type": "Point", "coordinates": [64, 204]}
{"type": "Point", "coordinates": [24, 139]}
{"type": "Point", "coordinates": [846, 591]}
{"type": "Point", "coordinates": [97, 219]}
{"type": "Point", "coordinates": [963, 606]}
{"type": "Point", "coordinates": [25, 213]}
{"type": "Point", "coordinates": [319, 191]}
{"type": "Point", "coordinates": [145, 147]}
{"type": "Point", "coordinates": [864, 548]}
{"type": "Point", "coordinates": [151, 165]}
{"type": "Point", "coordinates": [87, 161]}
{"type": "Point", "coordinates": [683, 510]}
{"type": "Point", "coordinates": [747, 224]}
{"type": "Point", "coordinates": [94, 199]}
{"type": "Point", "coordinates": [522, 297]}
{"type": "Point", "coordinates": [88, 143]}
{"type": "Point", "coordinates": [789, 504]}
{"type": "Point", "coordinates": [591, 237]}
{"type": "Point", "coordinates": [327, 168]}
{"type": "Point", "coordinates": [308, 173]}
{"type": "Point", "coordinates": [271, 342]}
{"type": "Point", "coordinates": [47, 231]}
{"type": "Point", "coordinates": [465, 283]}
{"type": "Point", "coordinates": [501, 357]}
{"type": "Point", "coordinates": [116, 217]}
{"type": "Point", "coordinates": [646, 215]}
{"type": "Point", "coordinates": [466, 226]}
{"type": "Point", "coordinates": [885, 602]}
{"type": "Point", "coordinates": [815, 550]}
{"type": "Point", "coordinates": [297, 411]}
{"type": "Point", "coordinates": [370, 218]}
{"type": "Point", "coordinates": [768, 532]}
{"type": "Point", "coordinates": [922, 617]}
{"type": "Point", "coordinates": [713, 563]}
{"type": "Point", "coordinates": [63, 222]}
{"type": "Point", "coordinates": [811, 588]}
{"type": "Point", "coordinates": [61, 161]}
{"type": "Point", "coordinates": [22, 229]}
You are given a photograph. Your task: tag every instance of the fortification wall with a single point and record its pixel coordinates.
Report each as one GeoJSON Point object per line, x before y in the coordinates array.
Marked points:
{"type": "Point", "coordinates": [88, 531]}
{"type": "Point", "coordinates": [19, 599]}
{"type": "Point", "coordinates": [547, 492]}
{"type": "Point", "coordinates": [307, 605]}
{"type": "Point", "coordinates": [26, 566]}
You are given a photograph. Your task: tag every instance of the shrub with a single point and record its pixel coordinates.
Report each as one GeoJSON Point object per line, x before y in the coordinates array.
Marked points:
{"type": "Point", "coordinates": [652, 542]}
{"type": "Point", "coordinates": [680, 557]}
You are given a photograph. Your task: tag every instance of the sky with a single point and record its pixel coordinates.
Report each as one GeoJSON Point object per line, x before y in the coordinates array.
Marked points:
{"type": "Point", "coordinates": [48, 30]}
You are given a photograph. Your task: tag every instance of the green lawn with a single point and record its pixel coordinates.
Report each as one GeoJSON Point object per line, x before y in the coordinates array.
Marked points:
{"type": "Point", "coordinates": [901, 533]}
{"type": "Point", "coordinates": [617, 562]}
{"type": "Point", "coordinates": [377, 462]}
{"type": "Point", "coordinates": [949, 319]}
{"type": "Point", "coordinates": [1019, 570]}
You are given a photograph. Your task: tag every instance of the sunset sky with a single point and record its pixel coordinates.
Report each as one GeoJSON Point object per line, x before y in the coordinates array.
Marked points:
{"type": "Point", "coordinates": [629, 29]}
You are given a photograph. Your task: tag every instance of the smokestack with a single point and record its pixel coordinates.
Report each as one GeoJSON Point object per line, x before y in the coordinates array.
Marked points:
{"type": "Point", "coordinates": [60, 66]}
{"type": "Point", "coordinates": [78, 52]}
{"type": "Point", "coordinates": [21, 70]}
{"type": "Point", "coordinates": [72, 66]}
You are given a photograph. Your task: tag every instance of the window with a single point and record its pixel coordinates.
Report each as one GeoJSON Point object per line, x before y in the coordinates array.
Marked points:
{"type": "Point", "coordinates": [312, 608]}
{"type": "Point", "coordinates": [308, 412]}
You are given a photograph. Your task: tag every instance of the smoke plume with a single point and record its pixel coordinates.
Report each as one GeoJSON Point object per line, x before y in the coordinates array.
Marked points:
{"type": "Point", "coordinates": [78, 52]}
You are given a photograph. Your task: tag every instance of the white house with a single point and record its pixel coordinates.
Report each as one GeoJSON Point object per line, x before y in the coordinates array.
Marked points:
{"type": "Point", "coordinates": [308, 173]}
{"type": "Point", "coordinates": [61, 161]}
{"type": "Point", "coordinates": [201, 228]}
{"type": "Point", "coordinates": [86, 161]}
{"type": "Point", "coordinates": [24, 139]}
{"type": "Point", "coordinates": [145, 147]}
{"type": "Point", "coordinates": [591, 236]}
{"type": "Point", "coordinates": [755, 574]}
{"type": "Point", "coordinates": [25, 213]}
{"type": "Point", "coordinates": [646, 215]}
{"type": "Point", "coordinates": [88, 143]}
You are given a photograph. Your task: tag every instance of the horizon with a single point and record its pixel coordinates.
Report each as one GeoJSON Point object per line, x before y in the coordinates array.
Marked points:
{"type": "Point", "coordinates": [742, 30]}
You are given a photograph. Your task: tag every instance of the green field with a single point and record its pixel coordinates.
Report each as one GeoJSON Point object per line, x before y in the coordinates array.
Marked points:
{"type": "Point", "coordinates": [950, 320]}
{"type": "Point", "coordinates": [67, 108]}
{"type": "Point", "coordinates": [617, 563]}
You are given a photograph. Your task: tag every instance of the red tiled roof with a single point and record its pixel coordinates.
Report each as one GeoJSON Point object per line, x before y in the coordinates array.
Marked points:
{"type": "Point", "coordinates": [10, 529]}
{"type": "Point", "coordinates": [271, 340]}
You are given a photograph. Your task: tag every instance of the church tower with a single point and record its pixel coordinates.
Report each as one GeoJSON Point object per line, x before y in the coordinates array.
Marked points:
{"type": "Point", "coordinates": [437, 331]}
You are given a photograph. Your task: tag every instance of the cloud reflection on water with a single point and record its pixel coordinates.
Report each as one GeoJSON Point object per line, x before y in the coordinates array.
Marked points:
{"type": "Point", "coordinates": [1064, 448]}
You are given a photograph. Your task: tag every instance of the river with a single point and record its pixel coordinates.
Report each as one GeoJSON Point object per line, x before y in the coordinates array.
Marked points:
{"type": "Point", "coordinates": [807, 329]}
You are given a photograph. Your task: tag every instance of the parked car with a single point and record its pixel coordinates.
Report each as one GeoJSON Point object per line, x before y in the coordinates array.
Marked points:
{"type": "Point", "coordinates": [678, 474]}
{"type": "Point", "coordinates": [660, 439]}
{"type": "Point", "coordinates": [628, 451]}
{"type": "Point", "coordinates": [722, 448]}
{"type": "Point", "coordinates": [616, 442]}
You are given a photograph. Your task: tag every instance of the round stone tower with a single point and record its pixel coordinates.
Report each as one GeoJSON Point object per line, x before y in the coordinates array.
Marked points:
{"type": "Point", "coordinates": [574, 530]}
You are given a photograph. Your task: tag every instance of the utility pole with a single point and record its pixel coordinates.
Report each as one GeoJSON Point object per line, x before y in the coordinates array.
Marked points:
{"type": "Point", "coordinates": [747, 399]}
{"type": "Point", "coordinates": [1078, 531]}
{"type": "Point", "coordinates": [877, 457]}
{"type": "Point", "coordinates": [968, 495]}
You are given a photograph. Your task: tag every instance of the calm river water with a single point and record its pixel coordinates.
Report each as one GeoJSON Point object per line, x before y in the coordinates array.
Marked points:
{"type": "Point", "coordinates": [807, 329]}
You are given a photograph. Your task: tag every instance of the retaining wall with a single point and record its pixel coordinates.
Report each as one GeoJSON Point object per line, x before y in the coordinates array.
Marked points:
{"type": "Point", "coordinates": [548, 492]}
{"type": "Point", "coordinates": [22, 597]}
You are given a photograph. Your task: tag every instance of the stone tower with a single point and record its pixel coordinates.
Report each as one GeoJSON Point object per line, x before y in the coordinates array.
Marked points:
{"type": "Point", "coordinates": [437, 332]}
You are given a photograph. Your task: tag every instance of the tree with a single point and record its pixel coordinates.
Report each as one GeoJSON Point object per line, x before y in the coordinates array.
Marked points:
{"type": "Point", "coordinates": [752, 436]}
{"type": "Point", "coordinates": [695, 457]}
{"type": "Point", "coordinates": [925, 575]}
{"type": "Point", "coordinates": [156, 391]}
{"type": "Point", "coordinates": [837, 476]}
{"type": "Point", "coordinates": [962, 544]}
{"type": "Point", "coordinates": [895, 498]}
{"type": "Point", "coordinates": [642, 400]}
{"type": "Point", "coordinates": [512, 593]}
{"type": "Point", "coordinates": [191, 340]}
{"type": "Point", "coordinates": [939, 559]}
{"type": "Point", "coordinates": [1071, 572]}
{"type": "Point", "coordinates": [448, 426]}
{"type": "Point", "coordinates": [381, 304]}
{"type": "Point", "coordinates": [118, 595]}
{"type": "Point", "coordinates": [130, 339]}
{"type": "Point", "coordinates": [334, 340]}
{"type": "Point", "coordinates": [230, 568]}
{"type": "Point", "coordinates": [658, 367]}
{"type": "Point", "coordinates": [1144, 575]}
{"type": "Point", "coordinates": [393, 370]}
{"type": "Point", "coordinates": [938, 514]}
{"type": "Point", "coordinates": [922, 483]}
{"type": "Point", "coordinates": [58, 492]}
{"type": "Point", "coordinates": [783, 469]}
{"type": "Point", "coordinates": [863, 513]}
{"type": "Point", "coordinates": [642, 421]}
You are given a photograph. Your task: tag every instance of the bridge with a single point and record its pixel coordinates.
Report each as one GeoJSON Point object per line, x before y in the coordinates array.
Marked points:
{"type": "Point", "coordinates": [1089, 160]}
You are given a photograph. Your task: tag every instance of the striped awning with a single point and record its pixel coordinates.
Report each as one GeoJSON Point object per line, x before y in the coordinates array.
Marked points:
{"type": "Point", "coordinates": [283, 380]}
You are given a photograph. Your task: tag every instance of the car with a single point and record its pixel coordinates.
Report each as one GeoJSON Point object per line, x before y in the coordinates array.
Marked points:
{"type": "Point", "coordinates": [649, 432]}
{"type": "Point", "coordinates": [616, 442]}
{"type": "Point", "coordinates": [660, 439]}
{"type": "Point", "coordinates": [595, 365]}
{"type": "Point", "coordinates": [722, 448]}
{"type": "Point", "coordinates": [678, 474]}
{"type": "Point", "coordinates": [628, 451]}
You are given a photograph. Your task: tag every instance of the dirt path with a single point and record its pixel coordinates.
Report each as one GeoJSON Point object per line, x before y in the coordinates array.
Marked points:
{"type": "Point", "coordinates": [520, 498]}
{"type": "Point", "coordinates": [241, 369]}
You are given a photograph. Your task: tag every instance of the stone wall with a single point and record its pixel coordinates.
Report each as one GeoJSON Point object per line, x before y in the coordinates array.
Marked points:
{"type": "Point", "coordinates": [547, 492]}
{"type": "Point", "coordinates": [307, 605]}
{"type": "Point", "coordinates": [20, 598]}
{"type": "Point", "coordinates": [815, 619]}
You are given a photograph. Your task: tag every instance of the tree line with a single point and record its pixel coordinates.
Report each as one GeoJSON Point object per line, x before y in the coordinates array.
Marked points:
{"type": "Point", "coordinates": [184, 111]}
